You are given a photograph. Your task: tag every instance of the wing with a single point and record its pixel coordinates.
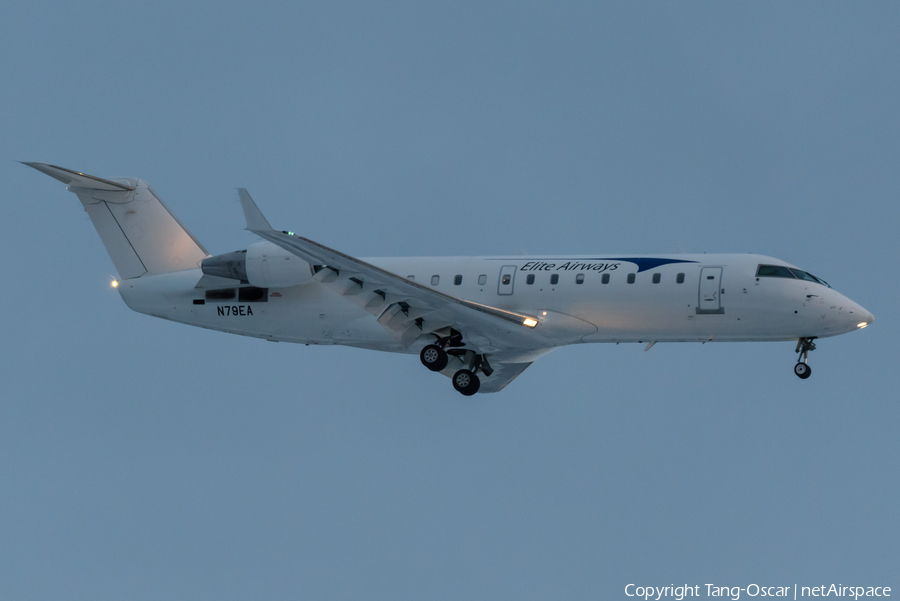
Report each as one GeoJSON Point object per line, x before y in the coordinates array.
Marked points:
{"type": "Point", "coordinates": [503, 374]}
{"type": "Point", "coordinates": [405, 308]}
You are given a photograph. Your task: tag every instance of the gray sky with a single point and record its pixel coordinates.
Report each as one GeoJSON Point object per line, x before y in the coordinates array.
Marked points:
{"type": "Point", "coordinates": [141, 459]}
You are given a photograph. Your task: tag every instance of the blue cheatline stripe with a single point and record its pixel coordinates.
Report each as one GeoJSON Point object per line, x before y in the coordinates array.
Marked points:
{"type": "Point", "coordinates": [643, 263]}
{"type": "Point", "coordinates": [646, 263]}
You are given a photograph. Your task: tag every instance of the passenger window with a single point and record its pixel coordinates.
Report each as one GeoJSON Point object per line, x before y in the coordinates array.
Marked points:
{"type": "Point", "coordinates": [656, 278]}
{"type": "Point", "coordinates": [604, 279]}
{"type": "Point", "coordinates": [630, 279]}
{"type": "Point", "coordinates": [530, 279]}
{"type": "Point", "coordinates": [506, 279]}
{"type": "Point", "coordinates": [411, 277]}
{"type": "Point", "coordinates": [457, 280]}
{"type": "Point", "coordinates": [680, 278]}
{"type": "Point", "coordinates": [554, 279]}
{"type": "Point", "coordinates": [482, 280]}
{"type": "Point", "coordinates": [579, 279]}
{"type": "Point", "coordinates": [773, 271]}
{"type": "Point", "coordinates": [435, 280]}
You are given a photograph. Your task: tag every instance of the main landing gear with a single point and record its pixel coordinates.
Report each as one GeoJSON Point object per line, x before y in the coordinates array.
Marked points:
{"type": "Point", "coordinates": [465, 381]}
{"type": "Point", "coordinates": [802, 369]}
{"type": "Point", "coordinates": [434, 357]}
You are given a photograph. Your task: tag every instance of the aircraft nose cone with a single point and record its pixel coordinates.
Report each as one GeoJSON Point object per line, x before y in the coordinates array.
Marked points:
{"type": "Point", "coordinates": [865, 317]}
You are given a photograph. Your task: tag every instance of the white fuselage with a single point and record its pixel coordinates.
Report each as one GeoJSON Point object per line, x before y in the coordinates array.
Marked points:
{"type": "Point", "coordinates": [464, 316]}
{"type": "Point", "coordinates": [718, 298]}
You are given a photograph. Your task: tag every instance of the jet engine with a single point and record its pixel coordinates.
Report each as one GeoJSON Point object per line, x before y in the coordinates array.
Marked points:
{"type": "Point", "coordinates": [263, 264]}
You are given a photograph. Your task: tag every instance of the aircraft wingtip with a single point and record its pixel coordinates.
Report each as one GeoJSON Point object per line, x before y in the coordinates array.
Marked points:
{"type": "Point", "coordinates": [254, 217]}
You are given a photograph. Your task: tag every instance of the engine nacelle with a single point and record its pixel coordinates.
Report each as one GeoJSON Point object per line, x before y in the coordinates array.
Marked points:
{"type": "Point", "coordinates": [269, 265]}
{"type": "Point", "coordinates": [263, 264]}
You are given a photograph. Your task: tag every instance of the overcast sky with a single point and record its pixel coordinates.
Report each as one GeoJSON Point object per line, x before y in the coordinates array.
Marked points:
{"type": "Point", "coordinates": [141, 459]}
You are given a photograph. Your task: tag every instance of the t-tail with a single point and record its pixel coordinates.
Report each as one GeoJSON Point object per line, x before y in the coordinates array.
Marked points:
{"type": "Point", "coordinates": [140, 233]}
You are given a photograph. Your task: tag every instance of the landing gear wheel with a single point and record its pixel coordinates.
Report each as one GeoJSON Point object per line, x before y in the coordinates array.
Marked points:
{"type": "Point", "coordinates": [466, 382]}
{"type": "Point", "coordinates": [802, 370]}
{"type": "Point", "coordinates": [434, 357]}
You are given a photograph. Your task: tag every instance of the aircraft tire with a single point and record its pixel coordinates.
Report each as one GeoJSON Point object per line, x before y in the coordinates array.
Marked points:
{"type": "Point", "coordinates": [466, 382]}
{"type": "Point", "coordinates": [802, 370]}
{"type": "Point", "coordinates": [434, 357]}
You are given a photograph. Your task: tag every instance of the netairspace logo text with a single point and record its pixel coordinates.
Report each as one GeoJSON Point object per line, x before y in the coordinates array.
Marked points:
{"type": "Point", "coordinates": [678, 593]}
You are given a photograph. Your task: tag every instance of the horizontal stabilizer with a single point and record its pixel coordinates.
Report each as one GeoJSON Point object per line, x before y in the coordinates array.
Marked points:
{"type": "Point", "coordinates": [78, 179]}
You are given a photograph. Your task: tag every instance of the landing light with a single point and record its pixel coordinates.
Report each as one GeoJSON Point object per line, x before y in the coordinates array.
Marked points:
{"type": "Point", "coordinates": [861, 325]}
{"type": "Point", "coordinates": [530, 322]}
{"type": "Point", "coordinates": [115, 283]}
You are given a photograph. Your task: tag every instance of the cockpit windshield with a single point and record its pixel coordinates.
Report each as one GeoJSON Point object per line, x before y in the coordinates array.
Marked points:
{"type": "Point", "coordinates": [802, 275]}
{"type": "Point", "coordinates": [780, 271]}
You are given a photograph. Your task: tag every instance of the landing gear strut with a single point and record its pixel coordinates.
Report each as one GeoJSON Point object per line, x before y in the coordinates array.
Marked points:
{"type": "Point", "coordinates": [802, 369]}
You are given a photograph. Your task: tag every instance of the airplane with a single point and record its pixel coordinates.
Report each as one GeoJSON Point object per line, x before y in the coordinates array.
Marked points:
{"type": "Point", "coordinates": [481, 321]}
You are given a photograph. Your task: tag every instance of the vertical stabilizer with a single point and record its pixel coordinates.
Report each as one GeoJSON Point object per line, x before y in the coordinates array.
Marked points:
{"type": "Point", "coordinates": [139, 232]}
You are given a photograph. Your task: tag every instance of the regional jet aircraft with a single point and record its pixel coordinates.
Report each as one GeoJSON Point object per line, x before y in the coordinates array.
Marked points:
{"type": "Point", "coordinates": [481, 321]}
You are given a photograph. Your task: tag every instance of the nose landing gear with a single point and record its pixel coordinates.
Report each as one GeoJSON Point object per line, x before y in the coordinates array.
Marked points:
{"type": "Point", "coordinates": [802, 368]}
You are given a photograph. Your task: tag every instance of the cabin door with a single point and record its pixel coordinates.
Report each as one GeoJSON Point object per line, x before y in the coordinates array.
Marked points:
{"type": "Point", "coordinates": [710, 300]}
{"type": "Point", "coordinates": [507, 278]}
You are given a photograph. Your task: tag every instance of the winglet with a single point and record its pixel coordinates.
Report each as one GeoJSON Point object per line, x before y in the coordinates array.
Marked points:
{"type": "Point", "coordinates": [254, 217]}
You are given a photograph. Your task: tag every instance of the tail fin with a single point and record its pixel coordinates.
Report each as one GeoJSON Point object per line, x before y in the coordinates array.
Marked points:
{"type": "Point", "coordinates": [139, 232]}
